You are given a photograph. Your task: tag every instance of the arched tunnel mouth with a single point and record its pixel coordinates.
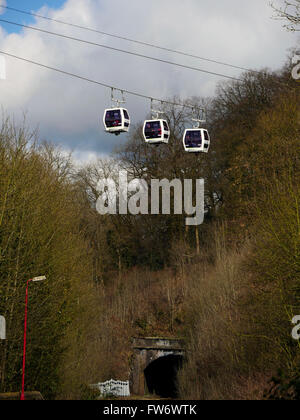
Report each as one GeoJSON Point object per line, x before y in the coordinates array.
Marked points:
{"type": "Point", "coordinates": [161, 376]}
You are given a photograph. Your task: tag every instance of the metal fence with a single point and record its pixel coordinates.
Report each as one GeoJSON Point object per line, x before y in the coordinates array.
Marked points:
{"type": "Point", "coordinates": [114, 388]}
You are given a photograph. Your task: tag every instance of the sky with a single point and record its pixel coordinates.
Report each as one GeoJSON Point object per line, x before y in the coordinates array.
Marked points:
{"type": "Point", "coordinates": [69, 112]}
{"type": "Point", "coordinates": [28, 5]}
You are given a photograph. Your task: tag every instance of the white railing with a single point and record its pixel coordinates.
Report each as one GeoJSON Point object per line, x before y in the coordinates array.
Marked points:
{"type": "Point", "coordinates": [114, 388]}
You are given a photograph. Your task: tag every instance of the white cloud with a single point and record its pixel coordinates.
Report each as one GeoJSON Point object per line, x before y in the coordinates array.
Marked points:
{"type": "Point", "coordinates": [70, 111]}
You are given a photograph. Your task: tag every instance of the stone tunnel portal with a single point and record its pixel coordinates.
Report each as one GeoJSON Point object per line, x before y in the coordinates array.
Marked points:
{"type": "Point", "coordinates": [155, 366]}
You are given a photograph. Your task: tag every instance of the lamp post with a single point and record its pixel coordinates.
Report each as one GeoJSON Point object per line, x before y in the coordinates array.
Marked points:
{"type": "Point", "coordinates": [35, 279]}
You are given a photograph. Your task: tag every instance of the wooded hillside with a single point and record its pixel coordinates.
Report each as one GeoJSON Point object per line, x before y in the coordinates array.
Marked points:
{"type": "Point", "coordinates": [229, 287]}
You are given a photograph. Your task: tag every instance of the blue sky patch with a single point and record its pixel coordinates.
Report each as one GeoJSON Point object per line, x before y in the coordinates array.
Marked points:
{"type": "Point", "coordinates": [28, 6]}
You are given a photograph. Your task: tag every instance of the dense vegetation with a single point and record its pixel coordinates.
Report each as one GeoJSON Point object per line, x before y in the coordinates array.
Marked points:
{"type": "Point", "coordinates": [230, 287]}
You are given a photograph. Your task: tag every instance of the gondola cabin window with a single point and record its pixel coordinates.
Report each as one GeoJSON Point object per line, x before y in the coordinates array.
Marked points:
{"type": "Point", "coordinates": [113, 119]}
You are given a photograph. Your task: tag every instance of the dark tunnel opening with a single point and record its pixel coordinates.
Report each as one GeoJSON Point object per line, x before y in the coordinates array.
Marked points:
{"type": "Point", "coordinates": [161, 376]}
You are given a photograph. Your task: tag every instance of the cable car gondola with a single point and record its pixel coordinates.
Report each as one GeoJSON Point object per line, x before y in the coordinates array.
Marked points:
{"type": "Point", "coordinates": [156, 131]}
{"type": "Point", "coordinates": [116, 120]}
{"type": "Point", "coordinates": [196, 140]}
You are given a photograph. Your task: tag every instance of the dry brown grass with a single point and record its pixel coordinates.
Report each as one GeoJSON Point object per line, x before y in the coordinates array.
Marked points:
{"type": "Point", "coordinates": [215, 367]}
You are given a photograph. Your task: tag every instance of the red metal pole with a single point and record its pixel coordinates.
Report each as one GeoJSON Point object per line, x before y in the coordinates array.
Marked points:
{"type": "Point", "coordinates": [24, 346]}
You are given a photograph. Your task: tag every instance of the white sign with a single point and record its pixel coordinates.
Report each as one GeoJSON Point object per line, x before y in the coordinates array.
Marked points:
{"type": "Point", "coordinates": [40, 278]}
{"type": "Point", "coordinates": [2, 68]}
{"type": "Point", "coordinates": [2, 328]}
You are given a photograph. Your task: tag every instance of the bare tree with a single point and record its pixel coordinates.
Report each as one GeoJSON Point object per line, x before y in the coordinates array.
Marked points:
{"type": "Point", "coordinates": [289, 11]}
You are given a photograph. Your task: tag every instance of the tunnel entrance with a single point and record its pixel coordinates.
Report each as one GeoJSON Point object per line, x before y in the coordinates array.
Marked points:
{"type": "Point", "coordinates": [155, 365]}
{"type": "Point", "coordinates": [161, 376]}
